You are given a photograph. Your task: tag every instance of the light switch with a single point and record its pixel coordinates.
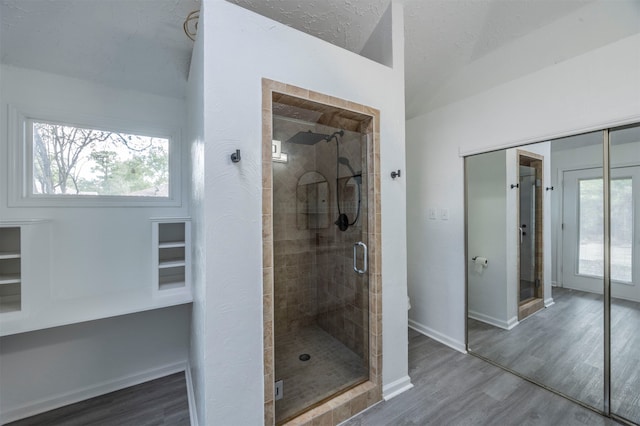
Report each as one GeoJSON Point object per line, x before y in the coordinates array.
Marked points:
{"type": "Point", "coordinates": [444, 214]}
{"type": "Point", "coordinates": [432, 213]}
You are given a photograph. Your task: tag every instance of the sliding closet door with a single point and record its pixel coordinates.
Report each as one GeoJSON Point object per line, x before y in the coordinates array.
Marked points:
{"type": "Point", "coordinates": [625, 272]}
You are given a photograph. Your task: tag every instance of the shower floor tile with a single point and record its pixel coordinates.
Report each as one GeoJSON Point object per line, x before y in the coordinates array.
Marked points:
{"type": "Point", "coordinates": [332, 367]}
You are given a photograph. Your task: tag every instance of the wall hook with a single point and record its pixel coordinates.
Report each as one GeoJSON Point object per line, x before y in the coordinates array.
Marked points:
{"type": "Point", "coordinates": [515, 185]}
{"type": "Point", "coordinates": [549, 188]}
{"type": "Point", "coordinates": [395, 174]}
{"type": "Point", "coordinates": [235, 157]}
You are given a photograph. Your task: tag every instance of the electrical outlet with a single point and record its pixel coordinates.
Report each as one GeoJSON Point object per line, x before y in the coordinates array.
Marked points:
{"type": "Point", "coordinates": [444, 214]}
{"type": "Point", "coordinates": [432, 214]}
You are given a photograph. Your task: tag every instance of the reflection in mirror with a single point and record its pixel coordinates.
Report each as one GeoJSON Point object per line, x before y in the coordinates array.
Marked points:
{"type": "Point", "coordinates": [625, 272]}
{"type": "Point", "coordinates": [536, 306]}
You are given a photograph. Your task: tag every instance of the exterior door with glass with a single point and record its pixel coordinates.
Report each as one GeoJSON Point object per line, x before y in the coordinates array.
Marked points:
{"type": "Point", "coordinates": [583, 231]}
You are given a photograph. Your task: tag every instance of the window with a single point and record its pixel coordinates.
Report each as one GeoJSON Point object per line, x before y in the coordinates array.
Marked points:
{"type": "Point", "coordinates": [591, 255]}
{"type": "Point", "coordinates": [81, 161]}
{"type": "Point", "coordinates": [56, 160]}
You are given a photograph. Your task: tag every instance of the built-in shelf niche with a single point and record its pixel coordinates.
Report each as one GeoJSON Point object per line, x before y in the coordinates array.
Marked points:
{"type": "Point", "coordinates": [172, 255]}
{"type": "Point", "coordinates": [10, 269]}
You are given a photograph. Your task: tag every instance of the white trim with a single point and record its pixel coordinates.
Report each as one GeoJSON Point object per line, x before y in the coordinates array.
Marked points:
{"type": "Point", "coordinates": [20, 161]}
{"type": "Point", "coordinates": [465, 152]}
{"type": "Point", "coordinates": [193, 412]}
{"type": "Point", "coordinates": [437, 336]}
{"type": "Point", "coordinates": [61, 400]}
{"type": "Point", "coordinates": [496, 322]}
{"type": "Point", "coordinates": [395, 388]}
{"type": "Point", "coordinates": [549, 302]}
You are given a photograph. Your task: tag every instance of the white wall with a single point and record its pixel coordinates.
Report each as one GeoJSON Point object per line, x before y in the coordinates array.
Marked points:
{"type": "Point", "coordinates": [593, 90]}
{"type": "Point", "coordinates": [241, 49]}
{"type": "Point", "coordinates": [486, 175]}
{"type": "Point", "coordinates": [45, 369]}
{"type": "Point", "coordinates": [98, 263]}
{"type": "Point", "coordinates": [100, 258]}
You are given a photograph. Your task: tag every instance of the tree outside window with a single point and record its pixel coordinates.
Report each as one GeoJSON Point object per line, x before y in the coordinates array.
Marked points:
{"type": "Point", "coordinates": [70, 160]}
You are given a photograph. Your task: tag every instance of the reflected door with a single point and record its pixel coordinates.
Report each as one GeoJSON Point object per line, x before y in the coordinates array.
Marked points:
{"type": "Point", "coordinates": [530, 286]}
{"type": "Point", "coordinates": [583, 231]}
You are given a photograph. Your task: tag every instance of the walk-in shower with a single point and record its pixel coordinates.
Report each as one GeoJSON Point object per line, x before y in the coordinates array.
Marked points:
{"type": "Point", "coordinates": [321, 229]}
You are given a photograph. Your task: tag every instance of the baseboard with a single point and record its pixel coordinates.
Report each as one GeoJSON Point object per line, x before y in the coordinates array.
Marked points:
{"type": "Point", "coordinates": [506, 325]}
{"type": "Point", "coordinates": [548, 302]}
{"type": "Point", "coordinates": [437, 336]}
{"type": "Point", "coordinates": [395, 388]}
{"type": "Point", "coordinates": [57, 401]}
{"type": "Point", "coordinates": [193, 412]}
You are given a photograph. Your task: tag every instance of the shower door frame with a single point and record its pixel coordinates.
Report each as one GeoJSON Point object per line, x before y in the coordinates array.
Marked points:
{"type": "Point", "coordinates": [348, 403]}
{"type": "Point", "coordinates": [530, 307]}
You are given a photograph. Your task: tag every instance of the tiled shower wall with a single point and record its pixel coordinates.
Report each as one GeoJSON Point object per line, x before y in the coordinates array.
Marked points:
{"type": "Point", "coordinates": [314, 280]}
{"type": "Point", "coordinates": [295, 297]}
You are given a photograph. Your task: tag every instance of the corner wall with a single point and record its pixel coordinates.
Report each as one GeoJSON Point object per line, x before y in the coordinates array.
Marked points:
{"type": "Point", "coordinates": [241, 49]}
{"type": "Point", "coordinates": [594, 90]}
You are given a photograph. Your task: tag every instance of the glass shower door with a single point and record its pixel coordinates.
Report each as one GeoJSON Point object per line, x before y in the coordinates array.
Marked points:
{"type": "Point", "coordinates": [321, 284]}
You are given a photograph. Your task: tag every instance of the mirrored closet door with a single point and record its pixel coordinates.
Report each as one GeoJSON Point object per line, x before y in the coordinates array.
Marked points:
{"type": "Point", "coordinates": [625, 272]}
{"type": "Point", "coordinates": [552, 294]}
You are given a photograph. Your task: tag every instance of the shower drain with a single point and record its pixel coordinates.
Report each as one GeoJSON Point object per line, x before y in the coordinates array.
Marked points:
{"type": "Point", "coordinates": [304, 357]}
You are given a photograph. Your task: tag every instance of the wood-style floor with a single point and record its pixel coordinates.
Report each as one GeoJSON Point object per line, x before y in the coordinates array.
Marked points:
{"type": "Point", "coordinates": [562, 347]}
{"type": "Point", "coordinates": [451, 388]}
{"type": "Point", "coordinates": [158, 402]}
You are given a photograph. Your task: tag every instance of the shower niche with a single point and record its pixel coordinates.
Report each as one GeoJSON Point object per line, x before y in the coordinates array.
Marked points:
{"type": "Point", "coordinates": [322, 292]}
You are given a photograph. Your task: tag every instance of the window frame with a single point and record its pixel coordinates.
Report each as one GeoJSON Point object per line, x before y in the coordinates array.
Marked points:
{"type": "Point", "coordinates": [21, 163]}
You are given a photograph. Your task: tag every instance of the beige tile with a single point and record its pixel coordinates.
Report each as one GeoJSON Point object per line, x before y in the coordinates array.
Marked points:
{"type": "Point", "coordinates": [273, 85]}
{"type": "Point", "coordinates": [267, 286]}
{"type": "Point", "coordinates": [341, 413]}
{"type": "Point", "coordinates": [358, 404]}
{"type": "Point", "coordinates": [268, 386]}
{"type": "Point", "coordinates": [267, 227]}
{"type": "Point", "coordinates": [296, 91]}
{"type": "Point", "coordinates": [267, 176]}
{"type": "Point", "coordinates": [268, 335]}
{"type": "Point", "coordinates": [269, 413]}
{"type": "Point", "coordinates": [303, 419]}
{"type": "Point", "coordinates": [267, 254]}
{"type": "Point", "coordinates": [267, 200]}
{"type": "Point", "coordinates": [318, 97]}
{"type": "Point", "coordinates": [337, 102]}
{"type": "Point", "coordinates": [325, 419]}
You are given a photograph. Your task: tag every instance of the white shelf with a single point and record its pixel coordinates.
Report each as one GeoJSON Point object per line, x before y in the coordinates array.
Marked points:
{"type": "Point", "coordinates": [9, 304]}
{"type": "Point", "coordinates": [172, 284]}
{"type": "Point", "coordinates": [171, 244]}
{"type": "Point", "coordinates": [10, 279]}
{"type": "Point", "coordinates": [171, 263]}
{"type": "Point", "coordinates": [9, 255]}
{"type": "Point", "coordinates": [171, 256]}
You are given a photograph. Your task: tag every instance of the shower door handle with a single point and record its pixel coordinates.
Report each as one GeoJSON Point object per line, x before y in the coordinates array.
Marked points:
{"type": "Point", "coordinates": [355, 257]}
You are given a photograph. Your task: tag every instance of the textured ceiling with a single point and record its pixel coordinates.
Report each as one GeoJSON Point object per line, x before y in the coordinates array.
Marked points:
{"type": "Point", "coordinates": [129, 44]}
{"type": "Point", "coordinates": [345, 23]}
{"type": "Point", "coordinates": [453, 48]}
